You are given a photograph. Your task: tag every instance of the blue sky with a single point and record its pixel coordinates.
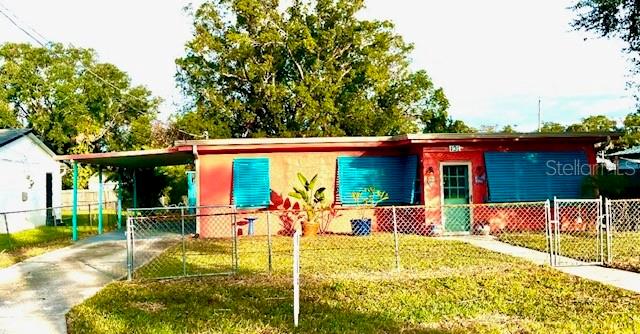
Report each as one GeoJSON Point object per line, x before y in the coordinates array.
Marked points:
{"type": "Point", "coordinates": [494, 58]}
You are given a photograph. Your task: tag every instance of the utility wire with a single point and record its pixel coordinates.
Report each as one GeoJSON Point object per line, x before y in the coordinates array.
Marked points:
{"type": "Point", "coordinates": [5, 12]}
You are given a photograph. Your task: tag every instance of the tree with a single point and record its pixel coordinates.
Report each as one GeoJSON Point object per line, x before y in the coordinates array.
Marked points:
{"type": "Point", "coordinates": [611, 18]}
{"type": "Point", "coordinates": [614, 18]}
{"type": "Point", "coordinates": [56, 91]}
{"type": "Point", "coordinates": [495, 128]}
{"type": "Point", "coordinates": [598, 123]}
{"type": "Point", "coordinates": [631, 130]}
{"type": "Point", "coordinates": [312, 69]}
{"type": "Point", "coordinates": [551, 127]}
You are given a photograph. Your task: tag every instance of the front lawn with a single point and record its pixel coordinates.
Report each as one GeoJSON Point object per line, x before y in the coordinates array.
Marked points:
{"type": "Point", "coordinates": [349, 285]}
{"type": "Point", "coordinates": [17, 247]}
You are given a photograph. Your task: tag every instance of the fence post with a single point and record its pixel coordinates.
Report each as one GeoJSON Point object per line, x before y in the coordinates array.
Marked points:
{"type": "Point", "coordinates": [184, 250]}
{"type": "Point", "coordinates": [269, 245]}
{"type": "Point", "coordinates": [395, 238]}
{"type": "Point", "coordinates": [600, 230]}
{"type": "Point", "coordinates": [296, 277]}
{"type": "Point", "coordinates": [607, 210]}
{"type": "Point", "coordinates": [556, 231]}
{"type": "Point", "coordinates": [234, 228]}
{"type": "Point", "coordinates": [129, 234]}
{"type": "Point", "coordinates": [6, 227]}
{"type": "Point", "coordinates": [90, 216]}
{"type": "Point", "coordinates": [548, 230]}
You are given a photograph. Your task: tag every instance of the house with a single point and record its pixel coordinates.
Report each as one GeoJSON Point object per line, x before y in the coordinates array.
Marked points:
{"type": "Point", "coordinates": [627, 161]}
{"type": "Point", "coordinates": [30, 181]}
{"type": "Point", "coordinates": [422, 172]}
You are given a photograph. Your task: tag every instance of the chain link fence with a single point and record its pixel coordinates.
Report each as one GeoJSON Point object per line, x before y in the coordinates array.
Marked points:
{"type": "Point", "coordinates": [181, 242]}
{"type": "Point", "coordinates": [623, 220]}
{"type": "Point", "coordinates": [55, 222]}
{"type": "Point", "coordinates": [347, 241]}
{"type": "Point", "coordinates": [364, 242]}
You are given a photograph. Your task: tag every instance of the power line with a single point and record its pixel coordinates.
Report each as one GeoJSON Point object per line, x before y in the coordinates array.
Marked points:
{"type": "Point", "coordinates": [5, 12]}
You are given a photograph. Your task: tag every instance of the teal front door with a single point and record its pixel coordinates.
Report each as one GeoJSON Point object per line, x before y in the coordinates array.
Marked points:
{"type": "Point", "coordinates": [455, 193]}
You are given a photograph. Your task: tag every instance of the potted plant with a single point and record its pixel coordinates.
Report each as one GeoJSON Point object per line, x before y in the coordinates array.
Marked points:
{"type": "Point", "coordinates": [313, 202]}
{"type": "Point", "coordinates": [366, 199]}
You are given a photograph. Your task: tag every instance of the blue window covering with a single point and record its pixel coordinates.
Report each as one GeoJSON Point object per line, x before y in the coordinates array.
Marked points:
{"type": "Point", "coordinates": [251, 187]}
{"type": "Point", "coordinates": [534, 176]}
{"type": "Point", "coordinates": [395, 175]}
{"type": "Point", "coordinates": [191, 190]}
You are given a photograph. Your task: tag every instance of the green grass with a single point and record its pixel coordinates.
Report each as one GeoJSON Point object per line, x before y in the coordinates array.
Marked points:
{"type": "Point", "coordinates": [625, 247]}
{"type": "Point", "coordinates": [17, 247]}
{"type": "Point", "coordinates": [349, 286]}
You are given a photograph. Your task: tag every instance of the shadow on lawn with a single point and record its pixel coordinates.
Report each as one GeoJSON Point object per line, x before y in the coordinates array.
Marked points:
{"type": "Point", "coordinates": [236, 304]}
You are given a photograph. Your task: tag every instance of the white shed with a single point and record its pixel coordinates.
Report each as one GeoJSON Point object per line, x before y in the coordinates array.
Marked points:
{"type": "Point", "coordinates": [30, 181]}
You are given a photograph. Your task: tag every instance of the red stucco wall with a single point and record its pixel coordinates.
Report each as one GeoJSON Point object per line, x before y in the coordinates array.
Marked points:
{"type": "Point", "coordinates": [216, 175]}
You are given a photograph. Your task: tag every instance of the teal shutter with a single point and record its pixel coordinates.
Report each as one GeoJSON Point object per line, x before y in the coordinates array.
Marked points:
{"type": "Point", "coordinates": [251, 183]}
{"type": "Point", "coordinates": [395, 175]}
{"type": "Point", "coordinates": [191, 188]}
{"type": "Point", "coordinates": [534, 176]}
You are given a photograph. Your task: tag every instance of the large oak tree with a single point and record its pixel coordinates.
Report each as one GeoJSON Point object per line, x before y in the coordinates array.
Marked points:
{"type": "Point", "coordinates": [254, 69]}
{"type": "Point", "coordinates": [73, 103]}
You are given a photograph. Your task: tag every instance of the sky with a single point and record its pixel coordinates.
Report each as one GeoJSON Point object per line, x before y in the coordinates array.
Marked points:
{"type": "Point", "coordinates": [494, 58]}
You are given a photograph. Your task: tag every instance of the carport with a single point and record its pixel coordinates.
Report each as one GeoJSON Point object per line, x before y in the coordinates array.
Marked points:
{"type": "Point", "coordinates": [129, 161]}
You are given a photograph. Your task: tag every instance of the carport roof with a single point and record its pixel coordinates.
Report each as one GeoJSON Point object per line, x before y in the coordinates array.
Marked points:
{"type": "Point", "coordinates": [183, 151]}
{"type": "Point", "coordinates": [135, 159]}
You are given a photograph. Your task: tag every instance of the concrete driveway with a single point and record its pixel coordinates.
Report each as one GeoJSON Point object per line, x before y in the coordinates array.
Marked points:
{"type": "Point", "coordinates": [36, 294]}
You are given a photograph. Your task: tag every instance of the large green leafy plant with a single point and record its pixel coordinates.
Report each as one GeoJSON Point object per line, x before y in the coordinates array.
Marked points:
{"type": "Point", "coordinates": [313, 199]}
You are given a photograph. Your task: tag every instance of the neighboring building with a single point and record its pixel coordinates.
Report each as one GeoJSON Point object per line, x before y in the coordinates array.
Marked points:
{"type": "Point", "coordinates": [627, 161]}
{"type": "Point", "coordinates": [425, 170]}
{"type": "Point", "coordinates": [30, 179]}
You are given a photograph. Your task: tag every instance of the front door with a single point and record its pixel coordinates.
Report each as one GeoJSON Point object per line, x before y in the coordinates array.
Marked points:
{"type": "Point", "coordinates": [455, 194]}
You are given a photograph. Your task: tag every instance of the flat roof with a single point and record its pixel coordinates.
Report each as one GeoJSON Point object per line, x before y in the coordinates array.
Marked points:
{"type": "Point", "coordinates": [182, 151]}
{"type": "Point", "coordinates": [134, 159]}
{"type": "Point", "coordinates": [595, 137]}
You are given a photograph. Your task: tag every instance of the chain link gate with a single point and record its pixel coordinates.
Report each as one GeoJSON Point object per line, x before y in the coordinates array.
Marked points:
{"type": "Point", "coordinates": [181, 242]}
{"type": "Point", "coordinates": [578, 232]}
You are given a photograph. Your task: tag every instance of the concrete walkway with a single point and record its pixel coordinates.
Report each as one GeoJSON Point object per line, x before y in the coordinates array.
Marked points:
{"type": "Point", "coordinates": [618, 278]}
{"type": "Point", "coordinates": [36, 294]}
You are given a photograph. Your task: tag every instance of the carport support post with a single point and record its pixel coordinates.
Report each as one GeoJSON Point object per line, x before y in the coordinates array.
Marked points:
{"type": "Point", "coordinates": [74, 214]}
{"type": "Point", "coordinates": [100, 199]}
{"type": "Point", "coordinates": [119, 201]}
{"type": "Point", "coordinates": [135, 190]}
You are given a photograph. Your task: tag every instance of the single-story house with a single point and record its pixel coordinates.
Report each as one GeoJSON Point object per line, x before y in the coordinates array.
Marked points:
{"type": "Point", "coordinates": [30, 181]}
{"type": "Point", "coordinates": [421, 170]}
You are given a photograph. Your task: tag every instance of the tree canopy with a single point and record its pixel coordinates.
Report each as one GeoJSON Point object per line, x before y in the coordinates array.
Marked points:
{"type": "Point", "coordinates": [55, 90]}
{"type": "Point", "coordinates": [254, 69]}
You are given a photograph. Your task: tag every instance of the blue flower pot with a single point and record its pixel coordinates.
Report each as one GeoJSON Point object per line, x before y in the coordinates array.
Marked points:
{"type": "Point", "coordinates": [361, 227]}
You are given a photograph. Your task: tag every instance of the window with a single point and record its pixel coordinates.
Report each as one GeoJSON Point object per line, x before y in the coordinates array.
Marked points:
{"type": "Point", "coordinates": [251, 187]}
{"type": "Point", "coordinates": [395, 175]}
{"type": "Point", "coordinates": [534, 176]}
